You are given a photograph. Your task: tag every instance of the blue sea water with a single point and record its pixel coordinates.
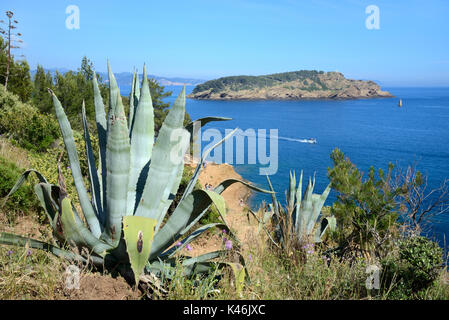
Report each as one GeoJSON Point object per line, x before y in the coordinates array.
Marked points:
{"type": "Point", "coordinates": [371, 132]}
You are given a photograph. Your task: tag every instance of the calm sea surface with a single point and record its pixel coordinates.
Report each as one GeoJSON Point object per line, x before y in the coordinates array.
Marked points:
{"type": "Point", "coordinates": [370, 132]}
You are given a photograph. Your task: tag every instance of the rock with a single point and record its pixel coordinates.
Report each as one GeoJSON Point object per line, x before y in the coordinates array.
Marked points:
{"type": "Point", "coordinates": [295, 85]}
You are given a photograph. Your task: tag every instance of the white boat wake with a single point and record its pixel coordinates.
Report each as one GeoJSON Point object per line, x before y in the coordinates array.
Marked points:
{"type": "Point", "coordinates": [310, 140]}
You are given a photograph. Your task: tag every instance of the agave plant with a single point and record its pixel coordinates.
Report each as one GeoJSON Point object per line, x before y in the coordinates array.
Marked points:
{"type": "Point", "coordinates": [124, 218]}
{"type": "Point", "coordinates": [301, 217]}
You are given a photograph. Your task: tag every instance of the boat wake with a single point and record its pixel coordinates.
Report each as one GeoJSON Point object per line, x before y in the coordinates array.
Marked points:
{"type": "Point", "coordinates": [310, 140]}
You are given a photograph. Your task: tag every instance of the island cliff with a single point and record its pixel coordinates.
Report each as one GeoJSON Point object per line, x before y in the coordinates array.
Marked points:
{"type": "Point", "coordinates": [294, 85]}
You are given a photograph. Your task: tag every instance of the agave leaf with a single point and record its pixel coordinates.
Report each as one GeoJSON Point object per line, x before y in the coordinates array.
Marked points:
{"type": "Point", "coordinates": [227, 183]}
{"type": "Point", "coordinates": [114, 94]}
{"type": "Point", "coordinates": [219, 202]}
{"type": "Point", "coordinates": [12, 239]}
{"type": "Point", "coordinates": [93, 175]}
{"type": "Point", "coordinates": [239, 274]}
{"type": "Point", "coordinates": [195, 234]}
{"type": "Point", "coordinates": [76, 233]}
{"type": "Point", "coordinates": [170, 190]}
{"type": "Point", "coordinates": [142, 140]}
{"type": "Point", "coordinates": [203, 258]}
{"type": "Point", "coordinates": [21, 180]}
{"type": "Point", "coordinates": [48, 203]}
{"type": "Point", "coordinates": [326, 223]}
{"type": "Point", "coordinates": [298, 204]}
{"type": "Point", "coordinates": [131, 104]}
{"type": "Point", "coordinates": [273, 197]}
{"type": "Point", "coordinates": [135, 102]}
{"type": "Point", "coordinates": [188, 210]}
{"type": "Point", "coordinates": [138, 233]}
{"type": "Point", "coordinates": [166, 202]}
{"type": "Point", "coordinates": [163, 269]}
{"type": "Point", "coordinates": [67, 134]}
{"type": "Point", "coordinates": [291, 192]}
{"type": "Point", "coordinates": [207, 201]}
{"type": "Point", "coordinates": [317, 205]}
{"type": "Point", "coordinates": [162, 170]}
{"type": "Point", "coordinates": [198, 123]}
{"type": "Point", "coordinates": [197, 171]}
{"type": "Point", "coordinates": [117, 163]}
{"type": "Point", "coordinates": [305, 215]}
{"type": "Point", "coordinates": [262, 226]}
{"type": "Point", "coordinates": [100, 117]}
{"type": "Point", "coordinates": [332, 223]}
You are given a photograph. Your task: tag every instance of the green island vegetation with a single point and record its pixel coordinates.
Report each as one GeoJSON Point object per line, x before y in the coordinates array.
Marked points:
{"type": "Point", "coordinates": [62, 213]}
{"type": "Point", "coordinates": [236, 83]}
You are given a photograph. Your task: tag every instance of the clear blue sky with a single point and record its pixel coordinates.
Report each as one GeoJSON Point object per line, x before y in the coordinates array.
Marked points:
{"type": "Point", "coordinates": [209, 38]}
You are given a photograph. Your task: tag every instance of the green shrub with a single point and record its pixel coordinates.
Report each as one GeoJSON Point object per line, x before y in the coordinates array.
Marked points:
{"type": "Point", "coordinates": [25, 124]}
{"type": "Point", "coordinates": [23, 199]}
{"type": "Point", "coordinates": [47, 163]}
{"type": "Point", "coordinates": [366, 207]}
{"type": "Point", "coordinates": [414, 268]}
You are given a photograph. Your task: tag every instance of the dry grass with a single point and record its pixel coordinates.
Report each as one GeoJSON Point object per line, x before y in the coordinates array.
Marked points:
{"type": "Point", "coordinates": [13, 153]}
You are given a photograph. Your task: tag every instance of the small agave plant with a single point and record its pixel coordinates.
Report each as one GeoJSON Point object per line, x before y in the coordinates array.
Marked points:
{"type": "Point", "coordinates": [124, 222]}
{"type": "Point", "coordinates": [301, 217]}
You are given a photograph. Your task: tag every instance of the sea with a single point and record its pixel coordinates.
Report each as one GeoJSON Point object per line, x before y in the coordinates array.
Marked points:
{"type": "Point", "coordinates": [370, 132]}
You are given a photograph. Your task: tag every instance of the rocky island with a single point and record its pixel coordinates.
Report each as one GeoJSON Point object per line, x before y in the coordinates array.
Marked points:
{"type": "Point", "coordinates": [294, 85]}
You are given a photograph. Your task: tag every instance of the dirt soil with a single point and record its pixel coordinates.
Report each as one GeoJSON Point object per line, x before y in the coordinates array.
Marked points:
{"type": "Point", "coordinates": [94, 286]}
{"type": "Point", "coordinates": [236, 216]}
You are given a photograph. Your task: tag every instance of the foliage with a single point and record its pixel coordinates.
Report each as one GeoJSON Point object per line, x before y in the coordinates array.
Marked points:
{"type": "Point", "coordinates": [365, 209]}
{"type": "Point", "coordinates": [46, 162]}
{"type": "Point", "coordinates": [27, 274]}
{"type": "Point", "coordinates": [40, 97]}
{"type": "Point", "coordinates": [19, 81]}
{"type": "Point", "coordinates": [300, 223]}
{"type": "Point", "coordinates": [250, 82]}
{"type": "Point", "coordinates": [25, 124]}
{"type": "Point", "coordinates": [128, 185]}
{"type": "Point", "coordinates": [72, 88]}
{"type": "Point", "coordinates": [23, 200]}
{"type": "Point", "coordinates": [415, 267]}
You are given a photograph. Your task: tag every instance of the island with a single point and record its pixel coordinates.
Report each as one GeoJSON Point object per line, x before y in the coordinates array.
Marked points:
{"type": "Point", "coordinates": [296, 85]}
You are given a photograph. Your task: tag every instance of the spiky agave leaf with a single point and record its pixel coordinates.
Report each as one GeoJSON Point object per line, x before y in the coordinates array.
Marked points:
{"type": "Point", "coordinates": [138, 233]}
{"type": "Point", "coordinates": [188, 210]}
{"type": "Point", "coordinates": [305, 211]}
{"type": "Point", "coordinates": [162, 170]}
{"type": "Point", "coordinates": [93, 174]}
{"type": "Point", "coordinates": [100, 118]}
{"type": "Point", "coordinates": [142, 140]}
{"type": "Point", "coordinates": [12, 239]}
{"type": "Point", "coordinates": [134, 102]}
{"type": "Point", "coordinates": [69, 141]}
{"type": "Point", "coordinates": [117, 164]}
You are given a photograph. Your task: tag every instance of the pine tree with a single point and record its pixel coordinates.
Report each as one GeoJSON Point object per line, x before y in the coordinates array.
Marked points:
{"type": "Point", "coordinates": [40, 97]}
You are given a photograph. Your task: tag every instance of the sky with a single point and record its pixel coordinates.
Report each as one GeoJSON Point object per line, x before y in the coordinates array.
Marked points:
{"type": "Point", "coordinates": [209, 39]}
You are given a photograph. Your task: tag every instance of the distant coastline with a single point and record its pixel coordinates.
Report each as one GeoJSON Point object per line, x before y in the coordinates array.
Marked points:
{"type": "Point", "coordinates": [297, 85]}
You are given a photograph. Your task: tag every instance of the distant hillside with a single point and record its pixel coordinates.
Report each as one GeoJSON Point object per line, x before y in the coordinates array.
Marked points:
{"type": "Point", "coordinates": [302, 84]}
{"type": "Point", "coordinates": [124, 78]}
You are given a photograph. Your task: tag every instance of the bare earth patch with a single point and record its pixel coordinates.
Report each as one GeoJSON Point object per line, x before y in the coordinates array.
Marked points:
{"type": "Point", "coordinates": [94, 286]}
{"type": "Point", "coordinates": [236, 217]}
